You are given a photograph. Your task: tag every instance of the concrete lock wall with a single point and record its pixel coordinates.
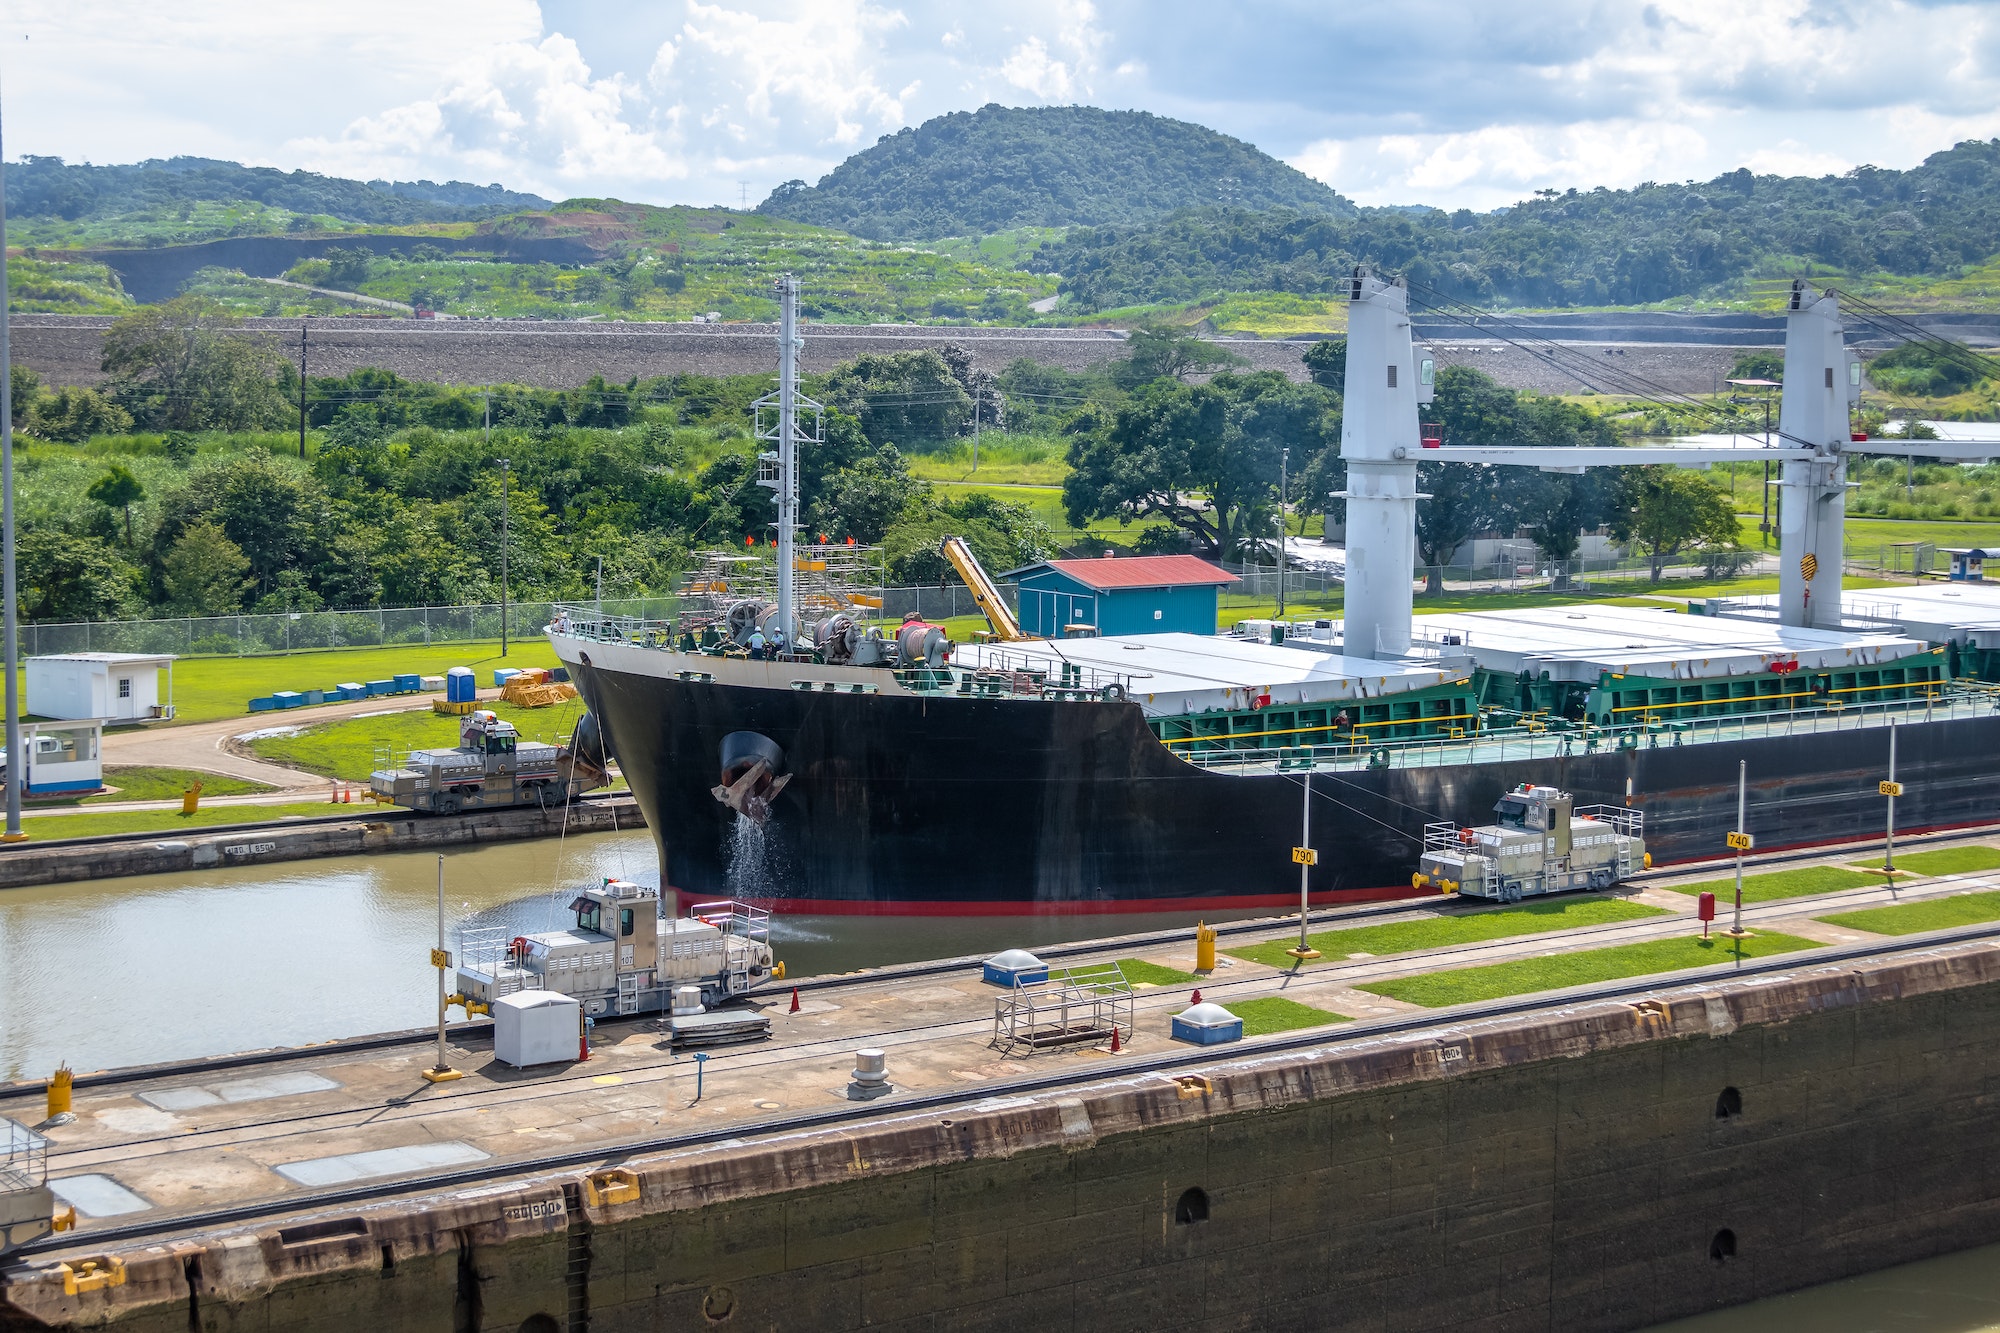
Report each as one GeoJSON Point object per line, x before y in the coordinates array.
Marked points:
{"type": "Point", "coordinates": [1569, 1168]}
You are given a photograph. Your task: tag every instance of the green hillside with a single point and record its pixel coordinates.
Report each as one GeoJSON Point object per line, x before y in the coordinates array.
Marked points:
{"type": "Point", "coordinates": [978, 172]}
{"type": "Point", "coordinates": [1931, 227]}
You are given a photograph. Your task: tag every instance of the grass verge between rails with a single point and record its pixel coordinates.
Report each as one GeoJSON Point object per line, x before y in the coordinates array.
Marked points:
{"type": "Point", "coordinates": [1274, 1013]}
{"type": "Point", "coordinates": [349, 748]}
{"type": "Point", "coordinates": [1780, 884]}
{"type": "Point", "coordinates": [1445, 931]}
{"type": "Point", "coordinates": [1945, 861]}
{"type": "Point", "coordinates": [1960, 909]}
{"type": "Point", "coordinates": [96, 824]}
{"type": "Point", "coordinates": [147, 783]}
{"type": "Point", "coordinates": [1521, 976]}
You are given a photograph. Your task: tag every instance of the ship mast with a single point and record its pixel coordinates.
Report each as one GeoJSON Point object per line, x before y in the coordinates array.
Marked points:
{"type": "Point", "coordinates": [779, 468]}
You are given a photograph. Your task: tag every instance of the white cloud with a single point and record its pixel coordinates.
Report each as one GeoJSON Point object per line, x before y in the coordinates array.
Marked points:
{"type": "Point", "coordinates": [1789, 157]}
{"type": "Point", "coordinates": [1030, 68]}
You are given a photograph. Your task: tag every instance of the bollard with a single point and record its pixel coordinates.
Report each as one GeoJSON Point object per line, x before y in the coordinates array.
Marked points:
{"type": "Point", "coordinates": [870, 1077]}
{"type": "Point", "coordinates": [1197, 996]}
{"type": "Point", "coordinates": [191, 798]}
{"type": "Point", "coordinates": [700, 1066]}
{"type": "Point", "coordinates": [1204, 947]}
{"type": "Point", "coordinates": [59, 1092]}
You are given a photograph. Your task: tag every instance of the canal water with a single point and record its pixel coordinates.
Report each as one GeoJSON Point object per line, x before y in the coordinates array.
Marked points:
{"type": "Point", "coordinates": [165, 967]}
{"type": "Point", "coordinates": [1958, 1293]}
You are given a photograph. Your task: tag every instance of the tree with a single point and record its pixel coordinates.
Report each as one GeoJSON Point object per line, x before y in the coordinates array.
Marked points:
{"type": "Point", "coordinates": [900, 397]}
{"type": "Point", "coordinates": [1761, 365]}
{"type": "Point", "coordinates": [204, 572]}
{"type": "Point", "coordinates": [73, 414]}
{"type": "Point", "coordinates": [64, 577]}
{"type": "Point", "coordinates": [1669, 510]}
{"type": "Point", "coordinates": [1464, 500]}
{"type": "Point", "coordinates": [1168, 353]}
{"type": "Point", "coordinates": [24, 386]}
{"type": "Point", "coordinates": [118, 489]}
{"type": "Point", "coordinates": [865, 500]}
{"type": "Point", "coordinates": [1326, 362]}
{"type": "Point", "coordinates": [1149, 461]}
{"type": "Point", "coordinates": [183, 367]}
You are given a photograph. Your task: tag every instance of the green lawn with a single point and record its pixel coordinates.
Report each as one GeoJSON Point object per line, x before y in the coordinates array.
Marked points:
{"type": "Point", "coordinates": [1946, 861]}
{"type": "Point", "coordinates": [208, 688]}
{"type": "Point", "coordinates": [1446, 931]}
{"type": "Point", "coordinates": [352, 748]}
{"type": "Point", "coordinates": [97, 823]}
{"type": "Point", "coordinates": [1435, 990]}
{"type": "Point", "coordinates": [145, 783]}
{"type": "Point", "coordinates": [1780, 884]}
{"type": "Point", "coordinates": [1277, 1014]}
{"type": "Point", "coordinates": [1142, 973]}
{"type": "Point", "coordinates": [1961, 909]}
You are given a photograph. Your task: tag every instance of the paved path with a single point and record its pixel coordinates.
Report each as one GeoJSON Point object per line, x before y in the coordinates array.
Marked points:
{"type": "Point", "coordinates": [204, 746]}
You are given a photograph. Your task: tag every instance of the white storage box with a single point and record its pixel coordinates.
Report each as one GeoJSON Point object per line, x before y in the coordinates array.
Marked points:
{"type": "Point", "coordinates": [536, 1027]}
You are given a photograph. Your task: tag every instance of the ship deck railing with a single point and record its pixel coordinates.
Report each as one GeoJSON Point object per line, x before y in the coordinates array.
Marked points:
{"type": "Point", "coordinates": [1521, 744]}
{"type": "Point", "coordinates": [733, 917]}
{"type": "Point", "coordinates": [24, 1158]}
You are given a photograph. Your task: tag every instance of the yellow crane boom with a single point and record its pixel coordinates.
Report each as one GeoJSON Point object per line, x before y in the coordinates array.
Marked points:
{"type": "Point", "coordinates": [984, 591]}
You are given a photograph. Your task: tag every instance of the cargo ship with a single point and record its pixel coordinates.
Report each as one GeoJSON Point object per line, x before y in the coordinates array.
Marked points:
{"type": "Point", "coordinates": [816, 766]}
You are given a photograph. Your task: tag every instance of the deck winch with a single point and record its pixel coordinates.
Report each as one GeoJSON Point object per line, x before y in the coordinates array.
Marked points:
{"type": "Point", "coordinates": [1541, 844]}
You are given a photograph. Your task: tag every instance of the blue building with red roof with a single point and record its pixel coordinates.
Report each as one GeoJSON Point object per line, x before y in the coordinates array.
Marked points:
{"type": "Point", "coordinates": [1138, 594]}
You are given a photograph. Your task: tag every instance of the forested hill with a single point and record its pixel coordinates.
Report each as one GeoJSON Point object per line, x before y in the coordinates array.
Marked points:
{"type": "Point", "coordinates": [1601, 247]}
{"type": "Point", "coordinates": [50, 187]}
{"type": "Point", "coordinates": [979, 172]}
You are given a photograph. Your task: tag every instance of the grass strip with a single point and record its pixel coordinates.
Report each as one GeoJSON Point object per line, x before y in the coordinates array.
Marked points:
{"type": "Point", "coordinates": [96, 824]}
{"type": "Point", "coordinates": [1447, 931]}
{"type": "Point", "coordinates": [1137, 972]}
{"type": "Point", "coordinates": [1945, 861]}
{"type": "Point", "coordinates": [148, 783]}
{"type": "Point", "coordinates": [350, 749]}
{"type": "Point", "coordinates": [1780, 884]}
{"type": "Point", "coordinates": [1276, 1014]}
{"type": "Point", "coordinates": [1521, 976]}
{"type": "Point", "coordinates": [207, 688]}
{"type": "Point", "coordinates": [1960, 909]}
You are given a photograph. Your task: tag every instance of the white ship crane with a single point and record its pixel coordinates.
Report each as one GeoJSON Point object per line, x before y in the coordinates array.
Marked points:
{"type": "Point", "coordinates": [1389, 377]}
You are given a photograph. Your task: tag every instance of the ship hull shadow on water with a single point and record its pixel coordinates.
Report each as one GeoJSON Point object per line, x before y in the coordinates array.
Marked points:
{"type": "Point", "coordinates": [905, 804]}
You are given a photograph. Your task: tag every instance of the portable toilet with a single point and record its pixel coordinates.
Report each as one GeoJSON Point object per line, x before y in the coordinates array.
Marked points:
{"type": "Point", "coordinates": [537, 1027]}
{"type": "Point", "coordinates": [1207, 1024]}
{"type": "Point", "coordinates": [1014, 966]}
{"type": "Point", "coordinates": [460, 686]}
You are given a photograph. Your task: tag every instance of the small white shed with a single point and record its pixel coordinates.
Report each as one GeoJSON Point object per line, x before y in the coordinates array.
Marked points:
{"type": "Point", "coordinates": [117, 687]}
{"type": "Point", "coordinates": [536, 1027]}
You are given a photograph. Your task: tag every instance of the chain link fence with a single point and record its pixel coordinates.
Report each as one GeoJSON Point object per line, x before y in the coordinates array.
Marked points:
{"type": "Point", "coordinates": [309, 631]}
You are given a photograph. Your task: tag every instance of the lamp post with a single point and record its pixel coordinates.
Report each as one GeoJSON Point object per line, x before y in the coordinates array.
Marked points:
{"type": "Point", "coordinates": [1305, 856]}
{"type": "Point", "coordinates": [15, 768]}
{"type": "Point", "coordinates": [441, 1072]}
{"type": "Point", "coordinates": [505, 487]}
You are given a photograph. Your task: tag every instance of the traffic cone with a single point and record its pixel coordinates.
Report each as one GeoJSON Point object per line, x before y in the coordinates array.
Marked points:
{"type": "Point", "coordinates": [795, 1000]}
{"type": "Point", "coordinates": [333, 796]}
{"type": "Point", "coordinates": [1114, 1039]}
{"type": "Point", "coordinates": [1197, 996]}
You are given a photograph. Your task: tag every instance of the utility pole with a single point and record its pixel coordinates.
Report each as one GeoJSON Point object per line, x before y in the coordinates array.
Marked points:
{"type": "Point", "coordinates": [600, 589]}
{"type": "Point", "coordinates": [1284, 463]}
{"type": "Point", "coordinates": [978, 395]}
{"type": "Point", "coordinates": [302, 387]}
{"type": "Point", "coordinates": [505, 486]}
{"type": "Point", "coordinates": [1740, 841]}
{"type": "Point", "coordinates": [743, 196]}
{"type": "Point", "coordinates": [1891, 789]}
{"type": "Point", "coordinates": [15, 766]}
{"type": "Point", "coordinates": [788, 451]}
{"type": "Point", "coordinates": [441, 1072]}
{"type": "Point", "coordinates": [1306, 857]}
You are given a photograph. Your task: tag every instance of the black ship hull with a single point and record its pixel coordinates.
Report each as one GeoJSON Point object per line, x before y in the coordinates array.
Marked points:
{"type": "Point", "coordinates": [902, 804]}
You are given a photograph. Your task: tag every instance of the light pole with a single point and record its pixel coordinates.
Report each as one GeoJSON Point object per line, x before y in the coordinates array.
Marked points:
{"type": "Point", "coordinates": [1284, 463]}
{"type": "Point", "coordinates": [505, 486]}
{"type": "Point", "coordinates": [303, 322]}
{"type": "Point", "coordinates": [1891, 789]}
{"type": "Point", "coordinates": [1740, 841]}
{"type": "Point", "coordinates": [1306, 857]}
{"type": "Point", "coordinates": [11, 635]}
{"type": "Point", "coordinates": [441, 1072]}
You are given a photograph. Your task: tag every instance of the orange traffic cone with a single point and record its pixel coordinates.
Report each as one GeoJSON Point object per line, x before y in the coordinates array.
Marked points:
{"type": "Point", "coordinates": [333, 796]}
{"type": "Point", "coordinates": [795, 1000]}
{"type": "Point", "coordinates": [1114, 1039]}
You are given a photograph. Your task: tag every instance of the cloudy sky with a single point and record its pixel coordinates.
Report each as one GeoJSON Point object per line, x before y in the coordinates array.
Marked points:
{"type": "Point", "coordinates": [1448, 102]}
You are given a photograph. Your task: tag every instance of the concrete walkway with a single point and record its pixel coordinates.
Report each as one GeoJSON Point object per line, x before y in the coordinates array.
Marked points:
{"type": "Point", "coordinates": [205, 746]}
